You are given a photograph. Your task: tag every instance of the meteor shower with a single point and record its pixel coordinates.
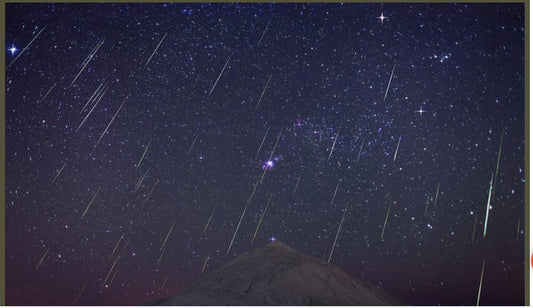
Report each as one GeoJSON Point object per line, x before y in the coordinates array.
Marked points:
{"type": "Point", "coordinates": [265, 153]}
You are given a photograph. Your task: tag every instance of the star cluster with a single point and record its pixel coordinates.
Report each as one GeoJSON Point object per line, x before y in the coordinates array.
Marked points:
{"type": "Point", "coordinates": [136, 135]}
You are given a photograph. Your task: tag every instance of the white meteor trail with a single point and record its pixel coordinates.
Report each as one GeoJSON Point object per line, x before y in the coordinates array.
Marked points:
{"type": "Point", "coordinates": [437, 194]}
{"type": "Point", "coordinates": [386, 218]}
{"type": "Point", "coordinates": [360, 149]}
{"type": "Point", "coordinates": [89, 205]}
{"type": "Point", "coordinates": [208, 221]}
{"type": "Point", "coordinates": [218, 78]}
{"type": "Point", "coordinates": [474, 229]}
{"type": "Point", "coordinates": [397, 147]}
{"type": "Point", "coordinates": [336, 237]}
{"type": "Point", "coordinates": [42, 259]}
{"type": "Point", "coordinates": [152, 190]}
{"type": "Point", "coordinates": [110, 122]}
{"type": "Point", "coordinates": [497, 165]}
{"type": "Point", "coordinates": [263, 93]}
{"type": "Point", "coordinates": [116, 246]}
{"type": "Point", "coordinates": [110, 270]}
{"type": "Point", "coordinates": [261, 220]}
{"type": "Point", "coordinates": [488, 207]}
{"type": "Point", "coordinates": [81, 291]}
{"type": "Point", "coordinates": [166, 238]}
{"type": "Point", "coordinates": [205, 263]}
{"type": "Point", "coordinates": [96, 93]}
{"type": "Point", "coordinates": [297, 182]}
{"type": "Point", "coordinates": [94, 106]}
{"type": "Point", "coordinates": [46, 95]}
{"type": "Point", "coordinates": [480, 283]}
{"type": "Point", "coordinates": [427, 203]}
{"type": "Point", "coordinates": [335, 193]}
{"type": "Point", "coordinates": [390, 79]}
{"type": "Point", "coordinates": [59, 172]}
{"type": "Point", "coordinates": [263, 141]}
{"type": "Point", "coordinates": [155, 50]}
{"type": "Point", "coordinates": [264, 31]}
{"type": "Point", "coordinates": [165, 281]}
{"type": "Point", "coordinates": [333, 146]}
{"type": "Point", "coordinates": [142, 157]}
{"type": "Point", "coordinates": [25, 48]}
{"type": "Point", "coordinates": [238, 225]}
{"type": "Point", "coordinates": [87, 60]}
{"type": "Point", "coordinates": [193, 142]}
{"type": "Point", "coordinates": [140, 181]}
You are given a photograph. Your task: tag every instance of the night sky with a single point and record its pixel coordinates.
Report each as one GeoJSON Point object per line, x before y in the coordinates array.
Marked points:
{"type": "Point", "coordinates": [131, 128]}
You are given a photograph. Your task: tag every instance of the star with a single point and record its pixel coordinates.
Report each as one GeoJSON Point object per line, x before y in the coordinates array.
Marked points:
{"type": "Point", "coordinates": [13, 49]}
{"type": "Point", "coordinates": [382, 17]}
{"type": "Point", "coordinates": [420, 111]}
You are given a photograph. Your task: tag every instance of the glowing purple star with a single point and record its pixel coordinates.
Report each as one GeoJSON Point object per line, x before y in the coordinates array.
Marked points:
{"type": "Point", "coordinates": [268, 165]}
{"type": "Point", "coordinates": [272, 239]}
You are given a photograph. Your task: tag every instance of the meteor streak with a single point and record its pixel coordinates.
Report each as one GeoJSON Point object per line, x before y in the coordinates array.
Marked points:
{"type": "Point", "coordinates": [142, 157]}
{"type": "Point", "coordinates": [96, 93]}
{"type": "Point", "coordinates": [264, 31]}
{"type": "Point", "coordinates": [263, 93]}
{"type": "Point", "coordinates": [193, 142]}
{"type": "Point", "coordinates": [94, 106]}
{"type": "Point", "coordinates": [155, 50]}
{"type": "Point", "coordinates": [165, 281]}
{"type": "Point", "coordinates": [81, 291]}
{"type": "Point", "coordinates": [333, 146]}
{"type": "Point", "coordinates": [386, 218]}
{"type": "Point", "coordinates": [44, 97]}
{"type": "Point", "coordinates": [42, 259]}
{"type": "Point", "coordinates": [166, 238]}
{"type": "Point", "coordinates": [140, 181]}
{"type": "Point", "coordinates": [152, 190]}
{"type": "Point", "coordinates": [87, 60]}
{"type": "Point", "coordinates": [208, 221]}
{"type": "Point", "coordinates": [205, 263]}
{"type": "Point", "coordinates": [426, 210]}
{"type": "Point", "coordinates": [437, 194]}
{"type": "Point", "coordinates": [497, 165]}
{"type": "Point", "coordinates": [110, 270]}
{"type": "Point", "coordinates": [390, 79]}
{"type": "Point", "coordinates": [114, 249]}
{"type": "Point", "coordinates": [89, 205]}
{"type": "Point", "coordinates": [263, 141]}
{"type": "Point", "coordinates": [397, 147]}
{"type": "Point", "coordinates": [297, 182]}
{"type": "Point", "coordinates": [261, 220]}
{"type": "Point", "coordinates": [360, 149]}
{"type": "Point", "coordinates": [474, 229]}
{"type": "Point", "coordinates": [110, 122]}
{"type": "Point", "coordinates": [59, 172]}
{"type": "Point", "coordinates": [25, 48]}
{"type": "Point", "coordinates": [335, 193]}
{"type": "Point", "coordinates": [336, 236]}
{"type": "Point", "coordinates": [238, 225]}
{"type": "Point", "coordinates": [218, 78]}
{"type": "Point", "coordinates": [488, 207]}
{"type": "Point", "coordinates": [480, 283]}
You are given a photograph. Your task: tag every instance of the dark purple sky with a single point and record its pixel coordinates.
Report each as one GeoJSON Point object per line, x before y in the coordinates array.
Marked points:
{"type": "Point", "coordinates": [401, 116]}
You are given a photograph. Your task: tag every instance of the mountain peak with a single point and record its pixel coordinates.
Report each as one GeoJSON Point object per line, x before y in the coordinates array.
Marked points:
{"type": "Point", "coordinates": [277, 274]}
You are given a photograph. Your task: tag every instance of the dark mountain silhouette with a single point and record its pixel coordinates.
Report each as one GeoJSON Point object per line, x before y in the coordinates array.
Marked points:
{"type": "Point", "coordinates": [279, 275]}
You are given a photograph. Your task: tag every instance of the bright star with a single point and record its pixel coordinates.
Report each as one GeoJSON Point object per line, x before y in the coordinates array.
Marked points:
{"type": "Point", "coordinates": [420, 111]}
{"type": "Point", "coordinates": [13, 49]}
{"type": "Point", "coordinates": [382, 17]}
{"type": "Point", "coordinates": [272, 239]}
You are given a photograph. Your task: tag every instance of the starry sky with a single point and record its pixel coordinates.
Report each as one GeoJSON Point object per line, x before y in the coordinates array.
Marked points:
{"type": "Point", "coordinates": [137, 134]}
